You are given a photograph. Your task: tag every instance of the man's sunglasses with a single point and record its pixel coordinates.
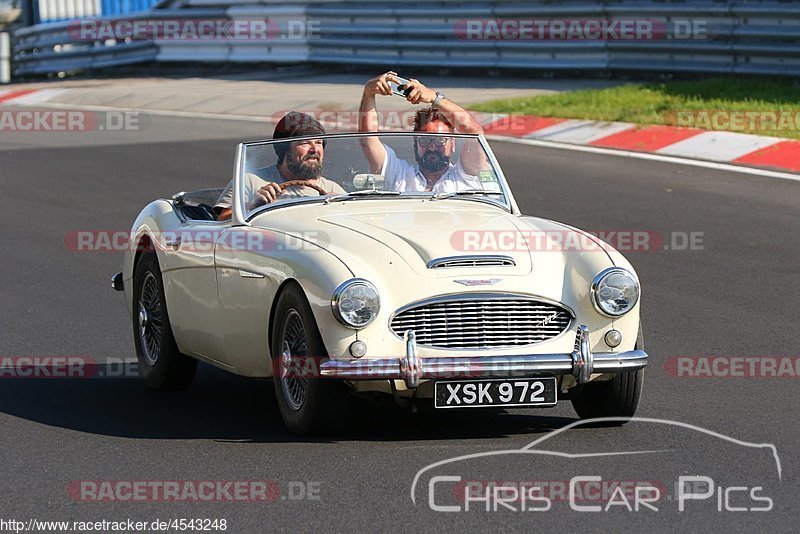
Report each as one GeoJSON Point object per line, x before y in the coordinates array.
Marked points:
{"type": "Point", "coordinates": [427, 141]}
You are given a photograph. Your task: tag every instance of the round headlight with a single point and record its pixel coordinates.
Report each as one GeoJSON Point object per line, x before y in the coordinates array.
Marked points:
{"type": "Point", "coordinates": [615, 292]}
{"type": "Point", "coordinates": [355, 303]}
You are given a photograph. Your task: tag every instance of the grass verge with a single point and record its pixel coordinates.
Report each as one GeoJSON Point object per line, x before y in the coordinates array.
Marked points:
{"type": "Point", "coordinates": [749, 105]}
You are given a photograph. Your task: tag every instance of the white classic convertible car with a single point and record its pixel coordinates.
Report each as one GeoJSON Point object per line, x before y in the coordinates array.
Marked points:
{"type": "Point", "coordinates": [449, 296]}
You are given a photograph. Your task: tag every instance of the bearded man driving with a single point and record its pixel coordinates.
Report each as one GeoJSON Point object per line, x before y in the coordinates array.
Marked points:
{"type": "Point", "coordinates": [297, 161]}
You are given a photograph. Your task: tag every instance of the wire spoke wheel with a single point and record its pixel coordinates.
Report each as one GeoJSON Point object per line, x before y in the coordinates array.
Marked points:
{"type": "Point", "coordinates": [309, 403]}
{"type": "Point", "coordinates": [295, 350]}
{"type": "Point", "coordinates": [150, 319]}
{"type": "Point", "coordinates": [161, 363]}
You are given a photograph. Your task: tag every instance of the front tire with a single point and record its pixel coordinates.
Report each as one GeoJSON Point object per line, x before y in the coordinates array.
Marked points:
{"type": "Point", "coordinates": [308, 404]}
{"type": "Point", "coordinates": [618, 397]}
{"type": "Point", "coordinates": [161, 364]}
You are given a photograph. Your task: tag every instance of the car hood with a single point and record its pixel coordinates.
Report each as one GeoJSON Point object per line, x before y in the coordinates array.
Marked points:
{"type": "Point", "coordinates": [369, 235]}
{"type": "Point", "coordinates": [437, 231]}
{"type": "Point", "coordinates": [390, 242]}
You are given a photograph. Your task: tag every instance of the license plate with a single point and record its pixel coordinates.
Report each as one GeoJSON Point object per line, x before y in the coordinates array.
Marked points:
{"type": "Point", "coordinates": [495, 392]}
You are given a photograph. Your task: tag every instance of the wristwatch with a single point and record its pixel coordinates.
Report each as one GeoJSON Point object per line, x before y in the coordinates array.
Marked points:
{"type": "Point", "coordinates": [439, 97]}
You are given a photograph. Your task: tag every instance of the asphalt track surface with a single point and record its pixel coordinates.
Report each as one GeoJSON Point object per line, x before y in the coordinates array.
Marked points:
{"type": "Point", "coordinates": [735, 297]}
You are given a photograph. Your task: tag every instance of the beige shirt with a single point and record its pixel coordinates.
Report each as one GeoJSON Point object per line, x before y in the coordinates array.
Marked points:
{"type": "Point", "coordinates": [253, 182]}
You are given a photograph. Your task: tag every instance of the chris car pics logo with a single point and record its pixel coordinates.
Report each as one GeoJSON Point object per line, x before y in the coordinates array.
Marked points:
{"type": "Point", "coordinates": [691, 474]}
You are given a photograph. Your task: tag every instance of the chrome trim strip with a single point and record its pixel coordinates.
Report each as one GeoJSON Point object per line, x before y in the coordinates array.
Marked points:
{"type": "Point", "coordinates": [473, 282]}
{"type": "Point", "coordinates": [580, 363]}
{"type": "Point", "coordinates": [248, 274]}
{"type": "Point", "coordinates": [482, 366]}
{"type": "Point", "coordinates": [237, 205]}
{"type": "Point", "coordinates": [436, 262]}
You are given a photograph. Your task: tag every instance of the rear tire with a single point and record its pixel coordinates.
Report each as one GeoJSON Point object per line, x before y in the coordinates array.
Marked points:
{"type": "Point", "coordinates": [308, 404]}
{"type": "Point", "coordinates": [161, 364]}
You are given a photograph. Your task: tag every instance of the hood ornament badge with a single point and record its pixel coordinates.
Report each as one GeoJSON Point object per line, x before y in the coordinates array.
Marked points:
{"type": "Point", "coordinates": [478, 282]}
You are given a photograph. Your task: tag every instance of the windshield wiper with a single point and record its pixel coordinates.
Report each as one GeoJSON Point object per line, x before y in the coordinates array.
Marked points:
{"type": "Point", "coordinates": [362, 193]}
{"type": "Point", "coordinates": [438, 196]}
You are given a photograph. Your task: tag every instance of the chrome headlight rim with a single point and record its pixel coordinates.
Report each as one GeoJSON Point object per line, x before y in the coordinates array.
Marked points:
{"type": "Point", "coordinates": [596, 283]}
{"type": "Point", "coordinates": [337, 295]}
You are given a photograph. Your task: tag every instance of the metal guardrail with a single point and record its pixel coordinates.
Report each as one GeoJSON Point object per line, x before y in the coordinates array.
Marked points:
{"type": "Point", "coordinates": [54, 47]}
{"type": "Point", "coordinates": [755, 37]}
{"type": "Point", "coordinates": [748, 37]}
{"type": "Point", "coordinates": [64, 10]}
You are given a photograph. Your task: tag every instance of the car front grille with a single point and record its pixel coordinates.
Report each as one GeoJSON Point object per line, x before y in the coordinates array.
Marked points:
{"type": "Point", "coordinates": [482, 322]}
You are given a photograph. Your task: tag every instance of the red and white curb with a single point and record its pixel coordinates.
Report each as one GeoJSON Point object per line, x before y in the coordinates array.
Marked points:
{"type": "Point", "coordinates": [716, 146]}
{"type": "Point", "coordinates": [690, 144]}
{"type": "Point", "coordinates": [27, 97]}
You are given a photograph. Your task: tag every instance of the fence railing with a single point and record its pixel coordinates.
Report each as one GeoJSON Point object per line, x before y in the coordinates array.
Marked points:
{"type": "Point", "coordinates": [61, 47]}
{"type": "Point", "coordinates": [722, 36]}
{"type": "Point", "coordinates": [63, 10]}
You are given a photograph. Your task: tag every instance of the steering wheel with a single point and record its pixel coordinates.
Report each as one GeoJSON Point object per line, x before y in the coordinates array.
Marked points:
{"type": "Point", "coordinates": [302, 183]}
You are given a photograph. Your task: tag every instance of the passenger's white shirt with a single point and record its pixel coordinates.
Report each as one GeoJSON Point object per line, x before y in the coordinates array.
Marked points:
{"type": "Point", "coordinates": [404, 177]}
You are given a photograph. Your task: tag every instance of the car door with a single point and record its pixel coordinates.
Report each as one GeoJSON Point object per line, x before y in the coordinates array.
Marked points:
{"type": "Point", "coordinates": [249, 274]}
{"type": "Point", "coordinates": [190, 285]}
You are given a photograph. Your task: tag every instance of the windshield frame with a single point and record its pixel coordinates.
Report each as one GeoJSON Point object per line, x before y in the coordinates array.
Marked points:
{"type": "Point", "coordinates": [240, 216]}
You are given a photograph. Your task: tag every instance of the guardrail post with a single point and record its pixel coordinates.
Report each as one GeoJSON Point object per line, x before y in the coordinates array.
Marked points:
{"type": "Point", "coordinates": [5, 58]}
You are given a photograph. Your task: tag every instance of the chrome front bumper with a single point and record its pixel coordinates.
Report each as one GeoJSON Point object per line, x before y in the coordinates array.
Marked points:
{"type": "Point", "coordinates": [581, 363]}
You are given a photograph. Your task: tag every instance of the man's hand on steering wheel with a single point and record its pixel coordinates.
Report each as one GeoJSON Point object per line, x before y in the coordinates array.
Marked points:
{"type": "Point", "coordinates": [270, 192]}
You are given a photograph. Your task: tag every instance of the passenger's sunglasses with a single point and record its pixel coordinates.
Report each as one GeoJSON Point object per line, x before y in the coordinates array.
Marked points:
{"type": "Point", "coordinates": [437, 141]}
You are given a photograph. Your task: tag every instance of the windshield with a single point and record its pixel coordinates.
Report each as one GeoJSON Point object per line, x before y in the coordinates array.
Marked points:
{"type": "Point", "coordinates": [336, 168]}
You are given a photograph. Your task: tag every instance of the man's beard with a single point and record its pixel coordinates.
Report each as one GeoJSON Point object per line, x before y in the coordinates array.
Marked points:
{"type": "Point", "coordinates": [308, 168]}
{"type": "Point", "coordinates": [433, 161]}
